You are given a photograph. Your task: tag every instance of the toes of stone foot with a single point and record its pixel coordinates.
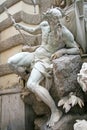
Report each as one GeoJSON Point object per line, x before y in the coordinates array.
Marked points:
{"type": "Point", "coordinates": [49, 125]}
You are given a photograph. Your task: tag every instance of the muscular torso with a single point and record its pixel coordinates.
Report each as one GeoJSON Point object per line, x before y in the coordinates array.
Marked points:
{"type": "Point", "coordinates": [50, 42]}
{"type": "Point", "coordinates": [54, 39]}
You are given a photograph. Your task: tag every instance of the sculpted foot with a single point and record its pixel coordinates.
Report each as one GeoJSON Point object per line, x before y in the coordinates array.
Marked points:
{"type": "Point", "coordinates": [55, 116]}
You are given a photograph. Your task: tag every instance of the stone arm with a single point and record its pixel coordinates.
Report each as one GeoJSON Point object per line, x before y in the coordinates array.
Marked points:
{"type": "Point", "coordinates": [31, 30]}
{"type": "Point", "coordinates": [70, 48]}
{"type": "Point", "coordinates": [74, 50]}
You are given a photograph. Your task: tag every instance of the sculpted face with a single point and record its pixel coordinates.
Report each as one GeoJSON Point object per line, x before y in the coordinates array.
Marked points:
{"type": "Point", "coordinates": [53, 14]}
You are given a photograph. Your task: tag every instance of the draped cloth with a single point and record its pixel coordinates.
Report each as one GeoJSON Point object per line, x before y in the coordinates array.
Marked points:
{"type": "Point", "coordinates": [80, 24]}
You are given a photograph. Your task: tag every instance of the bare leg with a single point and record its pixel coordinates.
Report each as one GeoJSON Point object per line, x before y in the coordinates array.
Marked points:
{"type": "Point", "coordinates": [33, 84]}
{"type": "Point", "coordinates": [19, 62]}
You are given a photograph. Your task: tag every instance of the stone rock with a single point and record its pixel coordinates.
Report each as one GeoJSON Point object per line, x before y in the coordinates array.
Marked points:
{"type": "Point", "coordinates": [65, 70]}
{"type": "Point", "coordinates": [65, 123]}
{"type": "Point", "coordinates": [39, 122]}
{"type": "Point", "coordinates": [39, 107]}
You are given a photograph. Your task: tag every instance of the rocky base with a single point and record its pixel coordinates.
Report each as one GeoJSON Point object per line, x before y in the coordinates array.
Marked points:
{"type": "Point", "coordinates": [65, 72]}
{"type": "Point", "coordinates": [65, 123]}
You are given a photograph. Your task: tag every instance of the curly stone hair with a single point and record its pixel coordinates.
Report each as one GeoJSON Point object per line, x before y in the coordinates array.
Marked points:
{"type": "Point", "coordinates": [54, 13]}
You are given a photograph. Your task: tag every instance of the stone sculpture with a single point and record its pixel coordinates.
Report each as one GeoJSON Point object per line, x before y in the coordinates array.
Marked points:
{"type": "Point", "coordinates": [82, 77]}
{"type": "Point", "coordinates": [80, 125]}
{"type": "Point", "coordinates": [57, 40]}
{"type": "Point", "coordinates": [75, 20]}
{"type": "Point", "coordinates": [70, 101]}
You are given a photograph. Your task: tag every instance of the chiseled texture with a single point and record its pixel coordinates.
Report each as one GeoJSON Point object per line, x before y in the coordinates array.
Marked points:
{"type": "Point", "coordinates": [65, 74]}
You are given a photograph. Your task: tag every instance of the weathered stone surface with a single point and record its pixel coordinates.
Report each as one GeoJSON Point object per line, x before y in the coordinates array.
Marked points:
{"type": "Point", "coordinates": [65, 123]}
{"type": "Point", "coordinates": [17, 40]}
{"type": "Point", "coordinates": [65, 80]}
{"type": "Point", "coordinates": [7, 22]}
{"type": "Point", "coordinates": [20, 16]}
{"type": "Point", "coordinates": [39, 122]}
{"type": "Point", "coordinates": [8, 53]}
{"type": "Point", "coordinates": [67, 21]}
{"type": "Point", "coordinates": [65, 74]}
{"type": "Point", "coordinates": [45, 4]}
{"type": "Point", "coordinates": [38, 106]}
{"type": "Point", "coordinates": [9, 81]}
{"type": "Point", "coordinates": [30, 19]}
{"type": "Point", "coordinates": [13, 112]}
{"type": "Point", "coordinates": [7, 3]}
{"type": "Point", "coordinates": [4, 70]}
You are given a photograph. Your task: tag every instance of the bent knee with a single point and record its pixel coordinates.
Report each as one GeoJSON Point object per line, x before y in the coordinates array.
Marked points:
{"type": "Point", "coordinates": [31, 86]}
{"type": "Point", "coordinates": [11, 64]}
{"type": "Point", "coordinates": [10, 61]}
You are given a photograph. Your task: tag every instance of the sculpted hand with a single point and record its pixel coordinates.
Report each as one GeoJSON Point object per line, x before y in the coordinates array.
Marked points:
{"type": "Point", "coordinates": [16, 25]}
{"type": "Point", "coordinates": [26, 48]}
{"type": "Point", "coordinates": [73, 100]}
{"type": "Point", "coordinates": [56, 55]}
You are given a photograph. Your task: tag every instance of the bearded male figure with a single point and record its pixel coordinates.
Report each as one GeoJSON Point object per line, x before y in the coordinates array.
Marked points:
{"type": "Point", "coordinates": [57, 40]}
